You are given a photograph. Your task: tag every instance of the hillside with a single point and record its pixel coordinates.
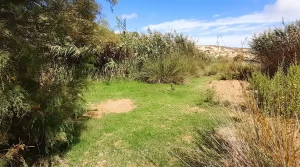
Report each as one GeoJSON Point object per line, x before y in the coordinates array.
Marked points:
{"type": "Point", "coordinates": [217, 51]}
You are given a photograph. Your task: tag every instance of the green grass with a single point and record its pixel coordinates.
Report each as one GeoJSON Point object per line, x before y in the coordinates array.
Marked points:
{"type": "Point", "coordinates": [146, 135]}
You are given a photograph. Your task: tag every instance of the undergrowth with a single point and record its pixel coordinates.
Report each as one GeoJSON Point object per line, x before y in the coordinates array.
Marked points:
{"type": "Point", "coordinates": [266, 133]}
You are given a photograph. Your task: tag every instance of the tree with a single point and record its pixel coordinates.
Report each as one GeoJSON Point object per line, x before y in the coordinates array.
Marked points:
{"type": "Point", "coordinates": [46, 49]}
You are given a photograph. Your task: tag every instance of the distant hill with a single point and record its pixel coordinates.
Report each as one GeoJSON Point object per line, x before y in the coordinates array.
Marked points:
{"type": "Point", "coordinates": [217, 51]}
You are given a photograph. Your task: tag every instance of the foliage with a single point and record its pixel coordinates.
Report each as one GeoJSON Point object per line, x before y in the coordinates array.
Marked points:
{"type": "Point", "coordinates": [278, 95]}
{"type": "Point", "coordinates": [266, 134]}
{"type": "Point", "coordinates": [239, 57]}
{"type": "Point", "coordinates": [45, 58]}
{"type": "Point", "coordinates": [229, 69]}
{"type": "Point", "coordinates": [163, 70]}
{"type": "Point", "coordinates": [211, 97]}
{"type": "Point", "coordinates": [278, 48]}
{"type": "Point", "coordinates": [272, 141]}
{"type": "Point", "coordinates": [238, 70]}
{"type": "Point", "coordinates": [156, 56]}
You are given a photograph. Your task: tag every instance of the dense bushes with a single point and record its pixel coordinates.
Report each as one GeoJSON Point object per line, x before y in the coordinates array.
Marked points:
{"type": "Point", "coordinates": [164, 70]}
{"type": "Point", "coordinates": [278, 95]}
{"type": "Point", "coordinates": [46, 54]}
{"type": "Point", "coordinates": [238, 70]}
{"type": "Point", "coordinates": [229, 69]}
{"type": "Point", "coordinates": [158, 58]}
{"type": "Point", "coordinates": [279, 47]}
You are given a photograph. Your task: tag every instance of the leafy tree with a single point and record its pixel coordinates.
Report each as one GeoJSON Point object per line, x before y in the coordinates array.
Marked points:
{"type": "Point", "coordinates": [46, 52]}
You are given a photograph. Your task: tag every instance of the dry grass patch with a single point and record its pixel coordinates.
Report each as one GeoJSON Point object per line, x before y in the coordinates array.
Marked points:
{"type": "Point", "coordinates": [195, 110]}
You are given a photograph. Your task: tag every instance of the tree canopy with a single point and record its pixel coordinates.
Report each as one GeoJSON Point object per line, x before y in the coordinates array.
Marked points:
{"type": "Point", "coordinates": [45, 52]}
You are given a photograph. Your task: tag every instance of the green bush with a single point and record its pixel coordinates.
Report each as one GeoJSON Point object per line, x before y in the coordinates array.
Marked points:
{"type": "Point", "coordinates": [164, 70]}
{"type": "Point", "coordinates": [46, 55]}
{"type": "Point", "coordinates": [278, 95]}
{"type": "Point", "coordinates": [166, 58]}
{"type": "Point", "coordinates": [278, 48]}
{"type": "Point", "coordinates": [238, 70]}
{"type": "Point", "coordinates": [229, 69]}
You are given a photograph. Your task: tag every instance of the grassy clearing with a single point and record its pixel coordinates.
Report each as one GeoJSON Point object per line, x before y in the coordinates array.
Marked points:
{"type": "Point", "coordinates": [163, 119]}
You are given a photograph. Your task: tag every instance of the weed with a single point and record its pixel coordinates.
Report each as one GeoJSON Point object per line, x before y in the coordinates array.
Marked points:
{"type": "Point", "coordinates": [211, 97]}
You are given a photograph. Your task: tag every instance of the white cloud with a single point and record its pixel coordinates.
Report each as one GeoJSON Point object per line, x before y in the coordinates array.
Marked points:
{"type": "Point", "coordinates": [234, 26]}
{"type": "Point", "coordinates": [182, 25]}
{"type": "Point", "coordinates": [129, 16]}
{"type": "Point", "coordinates": [216, 15]}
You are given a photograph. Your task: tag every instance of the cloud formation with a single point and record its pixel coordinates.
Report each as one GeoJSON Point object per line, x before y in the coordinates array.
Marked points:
{"type": "Point", "coordinates": [272, 15]}
{"type": "Point", "coordinates": [129, 16]}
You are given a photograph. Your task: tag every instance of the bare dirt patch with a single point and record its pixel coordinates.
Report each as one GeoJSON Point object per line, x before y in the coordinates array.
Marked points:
{"type": "Point", "coordinates": [110, 106]}
{"type": "Point", "coordinates": [188, 139]}
{"type": "Point", "coordinates": [230, 90]}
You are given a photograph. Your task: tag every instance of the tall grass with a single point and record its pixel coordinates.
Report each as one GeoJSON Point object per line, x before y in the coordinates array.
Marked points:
{"type": "Point", "coordinates": [279, 47]}
{"type": "Point", "coordinates": [265, 134]}
{"type": "Point", "coordinates": [162, 58]}
{"type": "Point", "coordinates": [164, 70]}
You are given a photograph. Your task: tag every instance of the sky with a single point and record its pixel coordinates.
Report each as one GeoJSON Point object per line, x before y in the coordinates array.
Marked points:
{"type": "Point", "coordinates": [208, 22]}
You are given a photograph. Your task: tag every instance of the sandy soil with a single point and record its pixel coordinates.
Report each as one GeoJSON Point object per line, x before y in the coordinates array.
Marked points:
{"type": "Point", "coordinates": [188, 139]}
{"type": "Point", "coordinates": [226, 51]}
{"type": "Point", "coordinates": [230, 90]}
{"type": "Point", "coordinates": [110, 106]}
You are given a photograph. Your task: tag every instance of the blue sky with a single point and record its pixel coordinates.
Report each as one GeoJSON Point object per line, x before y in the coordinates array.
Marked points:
{"type": "Point", "coordinates": [204, 20]}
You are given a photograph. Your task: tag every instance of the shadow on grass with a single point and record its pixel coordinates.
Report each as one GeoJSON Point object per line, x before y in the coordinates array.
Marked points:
{"type": "Point", "coordinates": [56, 157]}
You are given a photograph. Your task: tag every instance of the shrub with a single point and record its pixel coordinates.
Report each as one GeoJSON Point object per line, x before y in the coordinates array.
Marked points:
{"type": "Point", "coordinates": [46, 55]}
{"type": "Point", "coordinates": [164, 70]}
{"type": "Point", "coordinates": [216, 66]}
{"type": "Point", "coordinates": [239, 57]}
{"type": "Point", "coordinates": [40, 110]}
{"type": "Point", "coordinates": [161, 58]}
{"type": "Point", "coordinates": [228, 69]}
{"type": "Point", "coordinates": [278, 48]}
{"type": "Point", "coordinates": [238, 70]}
{"type": "Point", "coordinates": [212, 69]}
{"type": "Point", "coordinates": [211, 97]}
{"type": "Point", "coordinates": [278, 95]}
